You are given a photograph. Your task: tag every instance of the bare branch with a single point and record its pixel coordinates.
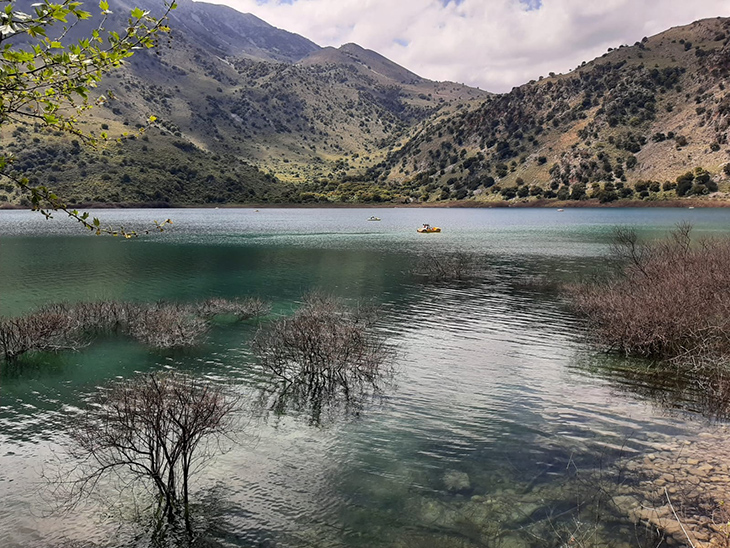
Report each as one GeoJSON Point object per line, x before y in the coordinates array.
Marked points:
{"type": "Point", "coordinates": [324, 357]}
{"type": "Point", "coordinates": [152, 429]}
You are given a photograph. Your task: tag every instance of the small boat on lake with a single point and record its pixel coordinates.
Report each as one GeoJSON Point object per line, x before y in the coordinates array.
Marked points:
{"type": "Point", "coordinates": [374, 218]}
{"type": "Point", "coordinates": [427, 229]}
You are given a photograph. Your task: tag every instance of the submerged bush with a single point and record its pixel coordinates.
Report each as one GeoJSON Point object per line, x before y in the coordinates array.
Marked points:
{"type": "Point", "coordinates": [457, 265]}
{"type": "Point", "coordinates": [324, 356]}
{"type": "Point", "coordinates": [45, 331]}
{"type": "Point", "coordinates": [670, 301]}
{"type": "Point", "coordinates": [167, 325]}
{"type": "Point", "coordinates": [159, 325]}
{"type": "Point", "coordinates": [242, 309]}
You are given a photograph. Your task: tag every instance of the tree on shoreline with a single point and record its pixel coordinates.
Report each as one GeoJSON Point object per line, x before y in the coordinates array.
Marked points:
{"type": "Point", "coordinates": [47, 79]}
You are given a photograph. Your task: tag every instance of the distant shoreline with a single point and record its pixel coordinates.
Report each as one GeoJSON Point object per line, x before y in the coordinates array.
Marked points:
{"type": "Point", "coordinates": [530, 204]}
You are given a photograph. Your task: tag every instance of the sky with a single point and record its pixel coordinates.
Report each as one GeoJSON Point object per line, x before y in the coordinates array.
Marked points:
{"type": "Point", "coordinates": [490, 44]}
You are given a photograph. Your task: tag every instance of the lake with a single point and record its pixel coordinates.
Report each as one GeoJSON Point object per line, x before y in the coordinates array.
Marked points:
{"type": "Point", "coordinates": [498, 417]}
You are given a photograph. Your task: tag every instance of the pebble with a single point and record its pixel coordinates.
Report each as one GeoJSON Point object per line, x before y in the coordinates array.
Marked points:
{"type": "Point", "coordinates": [455, 481]}
{"type": "Point", "coordinates": [693, 472]}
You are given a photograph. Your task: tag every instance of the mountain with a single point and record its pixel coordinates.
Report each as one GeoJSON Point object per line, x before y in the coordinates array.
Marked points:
{"type": "Point", "coordinates": [647, 121]}
{"type": "Point", "coordinates": [247, 112]}
{"type": "Point", "coordinates": [229, 33]}
{"type": "Point", "coordinates": [366, 62]}
{"type": "Point", "coordinates": [228, 85]}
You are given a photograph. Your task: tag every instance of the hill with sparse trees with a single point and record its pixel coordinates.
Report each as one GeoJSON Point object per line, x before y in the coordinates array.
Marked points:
{"type": "Point", "coordinates": [247, 113]}
{"type": "Point", "coordinates": [648, 121]}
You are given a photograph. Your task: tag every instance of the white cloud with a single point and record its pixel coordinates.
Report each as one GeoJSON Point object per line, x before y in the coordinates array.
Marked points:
{"type": "Point", "coordinates": [493, 44]}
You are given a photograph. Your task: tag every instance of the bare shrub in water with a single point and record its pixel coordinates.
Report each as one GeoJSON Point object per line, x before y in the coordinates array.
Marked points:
{"type": "Point", "coordinates": [324, 355]}
{"type": "Point", "coordinates": [457, 265]}
{"type": "Point", "coordinates": [160, 325]}
{"type": "Point", "coordinates": [156, 429]}
{"type": "Point", "coordinates": [48, 330]}
{"type": "Point", "coordinates": [101, 317]}
{"type": "Point", "coordinates": [167, 325]}
{"type": "Point", "coordinates": [670, 301]}
{"type": "Point", "coordinates": [242, 309]}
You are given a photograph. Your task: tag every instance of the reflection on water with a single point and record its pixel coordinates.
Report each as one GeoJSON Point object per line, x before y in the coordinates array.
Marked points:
{"type": "Point", "coordinates": [692, 389]}
{"type": "Point", "coordinates": [489, 435]}
{"type": "Point", "coordinates": [327, 361]}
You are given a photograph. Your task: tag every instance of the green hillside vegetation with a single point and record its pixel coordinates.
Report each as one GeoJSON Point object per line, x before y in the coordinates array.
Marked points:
{"type": "Point", "coordinates": [649, 121]}
{"type": "Point", "coordinates": [310, 117]}
{"type": "Point", "coordinates": [155, 169]}
{"type": "Point", "coordinates": [253, 114]}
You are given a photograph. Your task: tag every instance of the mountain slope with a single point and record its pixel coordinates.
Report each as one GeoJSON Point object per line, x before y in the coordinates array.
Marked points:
{"type": "Point", "coordinates": [230, 85]}
{"type": "Point", "coordinates": [254, 113]}
{"type": "Point", "coordinates": [230, 33]}
{"type": "Point", "coordinates": [627, 124]}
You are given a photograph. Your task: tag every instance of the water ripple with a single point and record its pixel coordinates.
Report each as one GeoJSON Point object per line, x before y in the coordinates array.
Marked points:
{"type": "Point", "coordinates": [486, 400]}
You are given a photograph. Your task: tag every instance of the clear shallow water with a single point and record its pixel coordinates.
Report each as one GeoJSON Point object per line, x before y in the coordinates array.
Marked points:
{"type": "Point", "coordinates": [491, 390]}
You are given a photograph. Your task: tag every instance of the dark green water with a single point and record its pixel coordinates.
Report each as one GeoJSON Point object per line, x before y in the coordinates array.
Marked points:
{"type": "Point", "coordinates": [491, 412]}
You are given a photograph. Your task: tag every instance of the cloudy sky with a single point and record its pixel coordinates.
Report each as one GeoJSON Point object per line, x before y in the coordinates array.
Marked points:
{"type": "Point", "coordinates": [492, 44]}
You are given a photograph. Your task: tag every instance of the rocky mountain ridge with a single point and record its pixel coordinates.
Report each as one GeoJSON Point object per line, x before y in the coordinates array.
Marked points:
{"type": "Point", "coordinates": [250, 113]}
{"type": "Point", "coordinates": [646, 121]}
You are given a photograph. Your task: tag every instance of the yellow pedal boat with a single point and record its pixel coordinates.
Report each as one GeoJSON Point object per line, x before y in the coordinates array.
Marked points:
{"type": "Point", "coordinates": [425, 229]}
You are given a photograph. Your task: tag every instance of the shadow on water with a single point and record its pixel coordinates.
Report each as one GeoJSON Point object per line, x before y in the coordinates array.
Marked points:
{"type": "Point", "coordinates": [323, 403]}
{"type": "Point", "coordinates": [701, 389]}
{"type": "Point", "coordinates": [210, 528]}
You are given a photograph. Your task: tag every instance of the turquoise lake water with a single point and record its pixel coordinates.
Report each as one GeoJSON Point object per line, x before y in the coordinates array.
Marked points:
{"type": "Point", "coordinates": [493, 415]}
